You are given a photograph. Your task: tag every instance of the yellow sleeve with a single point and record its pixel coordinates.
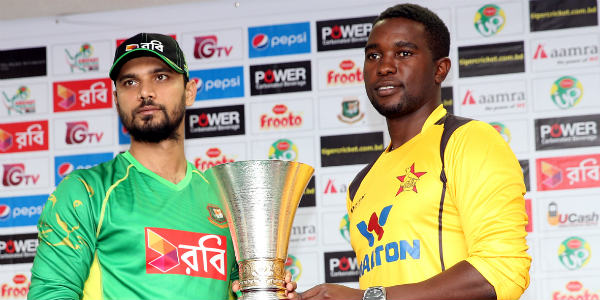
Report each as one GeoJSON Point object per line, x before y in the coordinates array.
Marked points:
{"type": "Point", "coordinates": [488, 189]}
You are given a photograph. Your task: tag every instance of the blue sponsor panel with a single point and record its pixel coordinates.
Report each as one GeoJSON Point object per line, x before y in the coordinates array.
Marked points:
{"type": "Point", "coordinates": [124, 138]}
{"type": "Point", "coordinates": [21, 211]}
{"type": "Point", "coordinates": [63, 165]}
{"type": "Point", "coordinates": [279, 39]}
{"type": "Point", "coordinates": [219, 83]}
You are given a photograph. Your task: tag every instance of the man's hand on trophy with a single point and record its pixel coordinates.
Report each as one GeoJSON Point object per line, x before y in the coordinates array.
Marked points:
{"type": "Point", "coordinates": [290, 286]}
{"type": "Point", "coordinates": [331, 291]}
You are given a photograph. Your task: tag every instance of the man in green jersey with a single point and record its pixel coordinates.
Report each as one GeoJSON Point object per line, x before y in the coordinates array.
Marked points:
{"type": "Point", "coordinates": [146, 224]}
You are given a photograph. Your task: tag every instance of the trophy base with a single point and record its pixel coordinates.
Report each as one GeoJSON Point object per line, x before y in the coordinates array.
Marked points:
{"type": "Point", "coordinates": [263, 295]}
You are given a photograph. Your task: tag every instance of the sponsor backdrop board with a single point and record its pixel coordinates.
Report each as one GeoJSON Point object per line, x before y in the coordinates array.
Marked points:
{"type": "Point", "coordinates": [287, 82]}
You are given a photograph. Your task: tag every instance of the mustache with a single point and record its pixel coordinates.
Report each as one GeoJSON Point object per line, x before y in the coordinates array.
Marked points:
{"type": "Point", "coordinates": [150, 102]}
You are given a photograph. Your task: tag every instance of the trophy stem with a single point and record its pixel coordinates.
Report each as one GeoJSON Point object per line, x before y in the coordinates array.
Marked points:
{"type": "Point", "coordinates": [262, 276]}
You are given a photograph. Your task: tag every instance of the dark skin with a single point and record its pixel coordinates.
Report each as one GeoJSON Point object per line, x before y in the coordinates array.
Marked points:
{"type": "Point", "coordinates": [403, 82]}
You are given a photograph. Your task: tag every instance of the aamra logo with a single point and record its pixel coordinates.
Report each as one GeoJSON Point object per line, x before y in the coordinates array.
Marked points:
{"type": "Point", "coordinates": [574, 253]}
{"type": "Point", "coordinates": [375, 225]}
{"type": "Point", "coordinates": [489, 20]}
{"type": "Point", "coordinates": [83, 60]}
{"type": "Point", "coordinates": [168, 258]}
{"type": "Point", "coordinates": [502, 130]}
{"type": "Point", "coordinates": [19, 103]}
{"type": "Point", "coordinates": [566, 92]}
{"type": "Point", "coordinates": [293, 265]}
{"type": "Point", "coordinates": [345, 228]}
{"type": "Point", "coordinates": [216, 216]}
{"type": "Point", "coordinates": [283, 149]}
{"type": "Point", "coordinates": [351, 111]}
{"type": "Point", "coordinates": [409, 180]}
{"type": "Point", "coordinates": [552, 176]}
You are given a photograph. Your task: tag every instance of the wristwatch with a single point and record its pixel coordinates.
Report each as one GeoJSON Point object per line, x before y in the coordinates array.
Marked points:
{"type": "Point", "coordinates": [375, 293]}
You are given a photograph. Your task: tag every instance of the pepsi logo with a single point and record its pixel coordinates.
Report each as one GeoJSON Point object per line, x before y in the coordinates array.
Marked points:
{"type": "Point", "coordinates": [199, 84]}
{"type": "Point", "coordinates": [260, 41]}
{"type": "Point", "coordinates": [279, 109]}
{"type": "Point", "coordinates": [65, 168]}
{"type": "Point", "coordinates": [4, 212]}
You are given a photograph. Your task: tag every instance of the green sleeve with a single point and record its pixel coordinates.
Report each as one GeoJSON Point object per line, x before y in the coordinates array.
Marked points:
{"type": "Point", "coordinates": [67, 234]}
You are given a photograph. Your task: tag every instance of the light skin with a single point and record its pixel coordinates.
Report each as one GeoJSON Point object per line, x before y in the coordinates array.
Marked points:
{"type": "Point", "coordinates": [144, 78]}
{"type": "Point", "coordinates": [404, 81]}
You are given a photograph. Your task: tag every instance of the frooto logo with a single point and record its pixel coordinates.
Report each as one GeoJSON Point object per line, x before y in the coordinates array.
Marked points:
{"type": "Point", "coordinates": [345, 228]}
{"type": "Point", "coordinates": [293, 265]}
{"type": "Point", "coordinates": [343, 33]}
{"type": "Point", "coordinates": [14, 175]}
{"type": "Point", "coordinates": [279, 39]}
{"type": "Point", "coordinates": [219, 83]}
{"type": "Point", "coordinates": [502, 130]}
{"type": "Point", "coordinates": [341, 267]}
{"type": "Point", "coordinates": [207, 47]}
{"type": "Point", "coordinates": [18, 248]}
{"type": "Point", "coordinates": [574, 253]}
{"type": "Point", "coordinates": [349, 73]}
{"type": "Point", "coordinates": [375, 225]}
{"type": "Point", "coordinates": [18, 289]}
{"type": "Point", "coordinates": [215, 157]}
{"type": "Point", "coordinates": [489, 20]}
{"type": "Point", "coordinates": [78, 133]}
{"type": "Point", "coordinates": [282, 118]}
{"type": "Point", "coordinates": [280, 78]}
{"type": "Point", "coordinates": [19, 103]}
{"type": "Point", "coordinates": [575, 291]}
{"type": "Point", "coordinates": [283, 149]}
{"type": "Point", "coordinates": [566, 92]}
{"type": "Point", "coordinates": [214, 121]}
{"type": "Point", "coordinates": [570, 219]}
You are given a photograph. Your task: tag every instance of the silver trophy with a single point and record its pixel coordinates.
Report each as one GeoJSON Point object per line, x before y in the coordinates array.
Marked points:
{"type": "Point", "coordinates": [260, 198]}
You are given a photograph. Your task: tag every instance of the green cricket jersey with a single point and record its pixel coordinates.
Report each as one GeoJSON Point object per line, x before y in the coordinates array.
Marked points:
{"type": "Point", "coordinates": [119, 231]}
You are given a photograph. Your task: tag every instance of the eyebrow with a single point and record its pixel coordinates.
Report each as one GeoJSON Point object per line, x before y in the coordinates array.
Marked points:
{"type": "Point", "coordinates": [399, 44]}
{"type": "Point", "coordinates": [156, 70]}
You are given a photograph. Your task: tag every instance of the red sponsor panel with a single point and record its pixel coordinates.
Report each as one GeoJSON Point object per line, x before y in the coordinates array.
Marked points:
{"type": "Point", "coordinates": [568, 172]}
{"type": "Point", "coordinates": [171, 251]}
{"type": "Point", "coordinates": [82, 94]}
{"type": "Point", "coordinates": [24, 136]}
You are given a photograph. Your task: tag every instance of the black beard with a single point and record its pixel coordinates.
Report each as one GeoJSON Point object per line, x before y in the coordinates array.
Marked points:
{"type": "Point", "coordinates": [407, 105]}
{"type": "Point", "coordinates": [154, 133]}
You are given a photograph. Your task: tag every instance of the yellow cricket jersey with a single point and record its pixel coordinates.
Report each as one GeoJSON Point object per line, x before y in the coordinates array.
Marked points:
{"type": "Point", "coordinates": [402, 231]}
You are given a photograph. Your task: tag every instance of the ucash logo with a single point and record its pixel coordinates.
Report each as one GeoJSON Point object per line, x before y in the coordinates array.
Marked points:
{"type": "Point", "coordinates": [489, 20]}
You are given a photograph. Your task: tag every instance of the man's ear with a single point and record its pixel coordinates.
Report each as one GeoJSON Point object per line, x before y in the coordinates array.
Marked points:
{"type": "Point", "coordinates": [191, 87]}
{"type": "Point", "coordinates": [442, 67]}
{"type": "Point", "coordinates": [115, 97]}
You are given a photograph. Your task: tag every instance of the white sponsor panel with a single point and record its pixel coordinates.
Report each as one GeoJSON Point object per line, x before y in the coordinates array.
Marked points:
{"type": "Point", "coordinates": [24, 99]}
{"type": "Point", "coordinates": [305, 269]}
{"type": "Point", "coordinates": [566, 214]}
{"type": "Point", "coordinates": [348, 111]}
{"type": "Point", "coordinates": [205, 156]}
{"type": "Point", "coordinates": [341, 72]}
{"type": "Point", "coordinates": [24, 173]}
{"type": "Point", "coordinates": [211, 46]}
{"type": "Point", "coordinates": [567, 91]}
{"type": "Point", "coordinates": [304, 231]}
{"type": "Point", "coordinates": [564, 52]}
{"type": "Point", "coordinates": [82, 57]}
{"type": "Point", "coordinates": [14, 284]}
{"type": "Point", "coordinates": [570, 253]}
{"type": "Point", "coordinates": [504, 97]}
{"type": "Point", "coordinates": [84, 132]}
{"type": "Point", "coordinates": [288, 115]}
{"type": "Point", "coordinates": [334, 187]}
{"type": "Point", "coordinates": [508, 20]}
{"type": "Point", "coordinates": [300, 149]}
{"type": "Point", "coordinates": [571, 287]}
{"type": "Point", "coordinates": [335, 228]}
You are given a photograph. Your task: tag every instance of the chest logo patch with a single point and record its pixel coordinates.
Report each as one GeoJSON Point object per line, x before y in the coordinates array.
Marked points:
{"type": "Point", "coordinates": [375, 225]}
{"type": "Point", "coordinates": [216, 216]}
{"type": "Point", "coordinates": [409, 180]}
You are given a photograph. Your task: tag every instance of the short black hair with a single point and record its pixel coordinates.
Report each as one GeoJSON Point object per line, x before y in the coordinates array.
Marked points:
{"type": "Point", "coordinates": [438, 36]}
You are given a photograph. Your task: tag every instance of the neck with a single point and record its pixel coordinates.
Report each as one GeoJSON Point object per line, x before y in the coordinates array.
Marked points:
{"type": "Point", "coordinates": [403, 129]}
{"type": "Point", "coordinates": [166, 159]}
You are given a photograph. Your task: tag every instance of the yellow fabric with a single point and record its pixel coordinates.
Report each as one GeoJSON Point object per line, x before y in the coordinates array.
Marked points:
{"type": "Point", "coordinates": [483, 214]}
{"type": "Point", "coordinates": [92, 289]}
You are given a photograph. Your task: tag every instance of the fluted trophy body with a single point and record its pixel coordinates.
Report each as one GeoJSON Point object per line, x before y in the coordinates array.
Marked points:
{"type": "Point", "coordinates": [260, 198]}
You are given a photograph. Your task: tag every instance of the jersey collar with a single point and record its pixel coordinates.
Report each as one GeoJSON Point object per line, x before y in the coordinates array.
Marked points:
{"type": "Point", "coordinates": [435, 116]}
{"type": "Point", "coordinates": [179, 186]}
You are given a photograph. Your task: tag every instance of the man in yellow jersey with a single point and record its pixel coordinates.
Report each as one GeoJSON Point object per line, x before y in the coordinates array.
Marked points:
{"type": "Point", "coordinates": [432, 217]}
{"type": "Point", "coordinates": [146, 224]}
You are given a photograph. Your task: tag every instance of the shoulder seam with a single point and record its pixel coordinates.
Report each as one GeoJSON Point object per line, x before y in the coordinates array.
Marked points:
{"type": "Point", "coordinates": [105, 200]}
{"type": "Point", "coordinates": [200, 174]}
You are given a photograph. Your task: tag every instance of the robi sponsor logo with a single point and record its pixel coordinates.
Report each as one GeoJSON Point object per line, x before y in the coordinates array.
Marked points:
{"type": "Point", "coordinates": [566, 92]}
{"type": "Point", "coordinates": [282, 119]}
{"type": "Point", "coordinates": [207, 47]}
{"type": "Point", "coordinates": [215, 157]}
{"type": "Point", "coordinates": [570, 219]}
{"type": "Point", "coordinates": [78, 133]}
{"type": "Point", "coordinates": [574, 253]}
{"type": "Point", "coordinates": [575, 291]}
{"type": "Point", "coordinates": [283, 149]}
{"type": "Point", "coordinates": [349, 73]}
{"type": "Point", "coordinates": [17, 289]}
{"type": "Point", "coordinates": [489, 20]}
{"type": "Point", "coordinates": [14, 175]}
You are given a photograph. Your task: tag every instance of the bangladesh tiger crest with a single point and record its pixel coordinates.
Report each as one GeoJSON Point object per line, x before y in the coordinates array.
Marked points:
{"type": "Point", "coordinates": [216, 216]}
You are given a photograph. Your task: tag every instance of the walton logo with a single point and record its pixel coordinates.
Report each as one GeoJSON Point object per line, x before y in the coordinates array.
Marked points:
{"type": "Point", "coordinates": [409, 180]}
{"type": "Point", "coordinates": [570, 219]}
{"type": "Point", "coordinates": [207, 47]}
{"type": "Point", "coordinates": [574, 253]}
{"type": "Point", "coordinates": [19, 103]}
{"type": "Point", "coordinates": [349, 73]}
{"type": "Point", "coordinates": [375, 224]}
{"type": "Point", "coordinates": [283, 149]}
{"type": "Point", "coordinates": [566, 92]}
{"type": "Point", "coordinates": [552, 175]}
{"type": "Point", "coordinates": [280, 120]}
{"type": "Point", "coordinates": [14, 175]}
{"type": "Point", "coordinates": [293, 265]}
{"type": "Point", "coordinates": [214, 158]}
{"type": "Point", "coordinates": [176, 252]}
{"type": "Point", "coordinates": [489, 20]}
{"type": "Point", "coordinates": [78, 133]}
{"type": "Point", "coordinates": [82, 60]}
{"type": "Point", "coordinates": [502, 130]}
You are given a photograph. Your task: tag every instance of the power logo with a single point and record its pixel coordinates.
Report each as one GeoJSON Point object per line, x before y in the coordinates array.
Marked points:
{"type": "Point", "coordinates": [78, 133]}
{"type": "Point", "coordinates": [375, 225]}
{"type": "Point", "coordinates": [207, 47]}
{"type": "Point", "coordinates": [280, 78]}
{"type": "Point", "coordinates": [170, 251]}
{"type": "Point", "coordinates": [343, 33]}
{"type": "Point", "coordinates": [14, 175]}
{"type": "Point", "coordinates": [341, 267]}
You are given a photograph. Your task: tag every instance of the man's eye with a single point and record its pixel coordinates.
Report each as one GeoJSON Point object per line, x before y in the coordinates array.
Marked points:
{"type": "Point", "coordinates": [161, 76]}
{"type": "Point", "coordinates": [373, 56]}
{"type": "Point", "coordinates": [128, 82]}
{"type": "Point", "coordinates": [404, 53]}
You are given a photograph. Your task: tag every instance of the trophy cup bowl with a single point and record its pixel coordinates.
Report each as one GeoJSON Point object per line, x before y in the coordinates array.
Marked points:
{"type": "Point", "coordinates": [260, 198]}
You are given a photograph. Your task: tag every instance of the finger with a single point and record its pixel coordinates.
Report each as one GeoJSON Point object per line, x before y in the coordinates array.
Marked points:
{"type": "Point", "coordinates": [291, 286]}
{"type": "Point", "coordinates": [288, 276]}
{"type": "Point", "coordinates": [293, 295]}
{"type": "Point", "coordinates": [235, 286]}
